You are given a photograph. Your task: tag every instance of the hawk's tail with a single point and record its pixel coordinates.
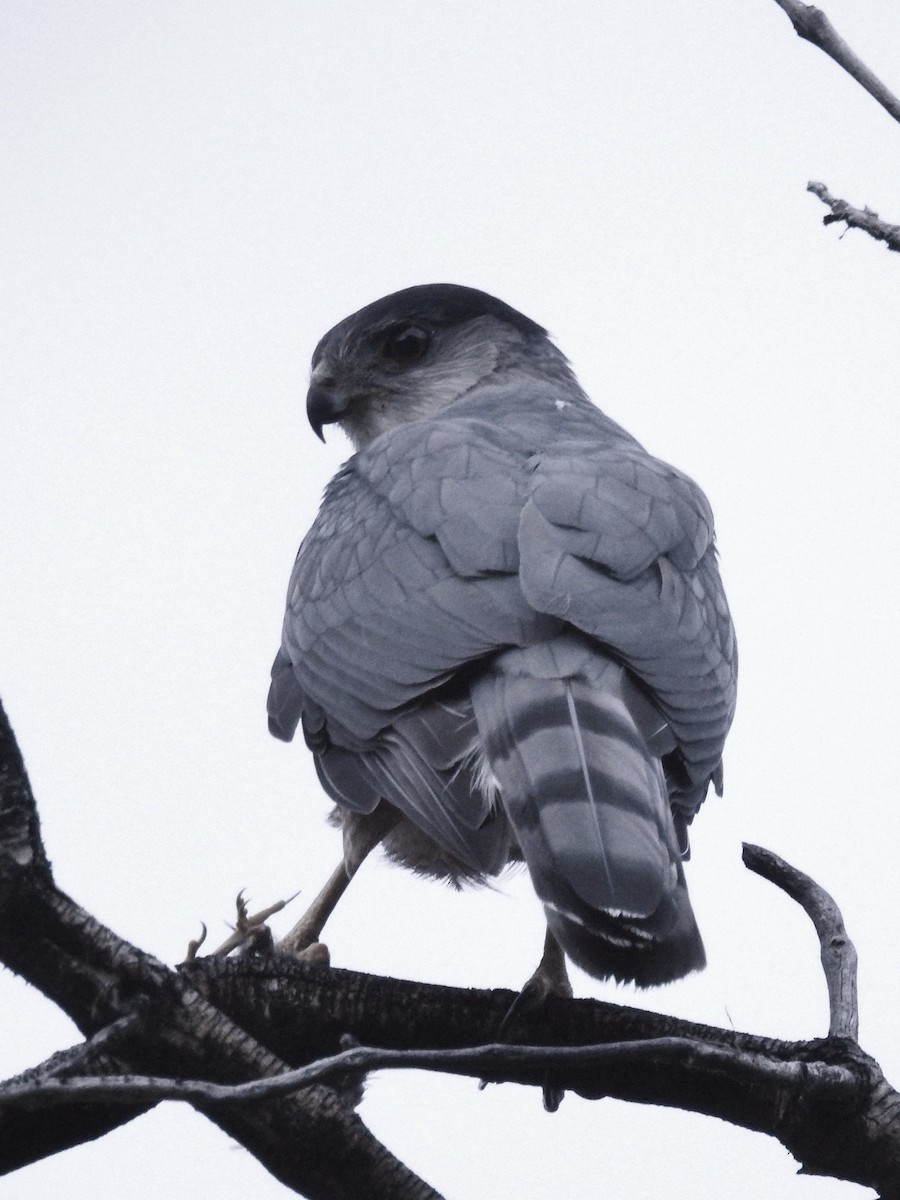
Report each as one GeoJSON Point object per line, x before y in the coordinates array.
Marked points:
{"type": "Point", "coordinates": [574, 749]}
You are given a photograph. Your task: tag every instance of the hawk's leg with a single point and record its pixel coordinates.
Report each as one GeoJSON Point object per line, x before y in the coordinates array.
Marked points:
{"type": "Point", "coordinates": [307, 932]}
{"type": "Point", "coordinates": [362, 833]}
{"type": "Point", "coordinates": [549, 979]}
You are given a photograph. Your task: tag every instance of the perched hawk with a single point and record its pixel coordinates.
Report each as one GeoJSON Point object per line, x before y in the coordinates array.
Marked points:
{"type": "Point", "coordinates": [506, 636]}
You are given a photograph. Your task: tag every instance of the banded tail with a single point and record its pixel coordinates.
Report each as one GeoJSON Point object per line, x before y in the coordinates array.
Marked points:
{"type": "Point", "coordinates": [575, 749]}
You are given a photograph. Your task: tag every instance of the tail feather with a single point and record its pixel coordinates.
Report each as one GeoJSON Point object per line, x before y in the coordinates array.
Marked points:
{"type": "Point", "coordinates": [589, 806]}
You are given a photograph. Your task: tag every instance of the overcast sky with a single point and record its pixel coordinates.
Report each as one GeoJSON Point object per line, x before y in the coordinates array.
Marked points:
{"type": "Point", "coordinates": [194, 192]}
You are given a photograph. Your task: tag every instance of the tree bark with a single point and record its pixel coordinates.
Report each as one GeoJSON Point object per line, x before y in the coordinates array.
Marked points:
{"type": "Point", "coordinates": [259, 1044]}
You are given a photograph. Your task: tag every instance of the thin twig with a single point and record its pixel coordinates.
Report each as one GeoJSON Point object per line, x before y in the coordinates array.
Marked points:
{"type": "Point", "coordinates": [856, 218]}
{"type": "Point", "coordinates": [492, 1060]}
{"type": "Point", "coordinates": [838, 952]}
{"type": "Point", "coordinates": [813, 25]}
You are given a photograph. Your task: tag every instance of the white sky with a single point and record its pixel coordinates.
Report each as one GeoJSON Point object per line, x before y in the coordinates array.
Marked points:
{"type": "Point", "coordinates": [194, 193]}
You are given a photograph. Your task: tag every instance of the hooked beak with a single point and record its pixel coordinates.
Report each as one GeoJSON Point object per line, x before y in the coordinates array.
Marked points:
{"type": "Point", "coordinates": [324, 406]}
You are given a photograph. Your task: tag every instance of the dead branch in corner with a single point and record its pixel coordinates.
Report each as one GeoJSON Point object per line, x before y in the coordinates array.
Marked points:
{"type": "Point", "coordinates": [813, 25]}
{"type": "Point", "coordinates": [856, 218]}
{"type": "Point", "coordinates": [273, 1050]}
{"type": "Point", "coordinates": [141, 1017]}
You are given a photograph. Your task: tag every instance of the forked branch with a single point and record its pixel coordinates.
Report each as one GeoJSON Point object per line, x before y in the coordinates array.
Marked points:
{"type": "Point", "coordinates": [259, 1044]}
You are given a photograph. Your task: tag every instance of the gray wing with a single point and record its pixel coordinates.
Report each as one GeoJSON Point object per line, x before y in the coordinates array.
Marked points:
{"type": "Point", "coordinates": [490, 527]}
{"type": "Point", "coordinates": [409, 572]}
{"type": "Point", "coordinates": [621, 545]}
{"type": "Point", "coordinates": [408, 575]}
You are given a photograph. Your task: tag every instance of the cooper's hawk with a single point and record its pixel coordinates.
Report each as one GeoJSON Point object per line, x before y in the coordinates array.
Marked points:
{"type": "Point", "coordinates": [506, 636]}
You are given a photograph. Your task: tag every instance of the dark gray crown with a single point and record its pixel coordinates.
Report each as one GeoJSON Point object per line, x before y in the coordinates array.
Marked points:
{"type": "Point", "coordinates": [438, 305]}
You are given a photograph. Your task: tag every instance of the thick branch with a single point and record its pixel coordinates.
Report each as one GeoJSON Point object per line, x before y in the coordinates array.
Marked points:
{"type": "Point", "coordinates": [825, 1101]}
{"type": "Point", "coordinates": [862, 1144]}
{"type": "Point", "coordinates": [21, 847]}
{"type": "Point", "coordinates": [237, 1022]}
{"type": "Point", "coordinates": [310, 1140]}
{"type": "Point", "coordinates": [813, 25]}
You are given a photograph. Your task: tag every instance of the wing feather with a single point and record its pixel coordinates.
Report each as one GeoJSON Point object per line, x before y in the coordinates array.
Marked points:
{"type": "Point", "coordinates": [503, 522]}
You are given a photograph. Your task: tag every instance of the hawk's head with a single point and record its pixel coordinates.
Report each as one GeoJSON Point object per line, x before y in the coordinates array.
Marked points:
{"type": "Point", "coordinates": [413, 353]}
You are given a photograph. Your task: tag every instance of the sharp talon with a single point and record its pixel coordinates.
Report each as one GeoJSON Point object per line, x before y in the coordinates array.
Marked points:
{"type": "Point", "coordinates": [533, 994]}
{"type": "Point", "coordinates": [250, 930]}
{"type": "Point", "coordinates": [531, 997]}
{"type": "Point", "coordinates": [195, 943]}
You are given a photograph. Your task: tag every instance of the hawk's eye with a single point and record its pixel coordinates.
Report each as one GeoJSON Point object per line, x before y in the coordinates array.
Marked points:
{"type": "Point", "coordinates": [405, 345]}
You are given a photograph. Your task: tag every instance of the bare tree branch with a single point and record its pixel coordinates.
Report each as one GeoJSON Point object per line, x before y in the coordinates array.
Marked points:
{"type": "Point", "coordinates": [825, 1100]}
{"type": "Point", "coordinates": [813, 25]}
{"type": "Point", "coordinates": [856, 218]}
{"type": "Point", "coordinates": [310, 1140]}
{"type": "Point", "coordinates": [225, 1034]}
{"type": "Point", "coordinates": [837, 951]}
{"type": "Point", "coordinates": [573, 1066]}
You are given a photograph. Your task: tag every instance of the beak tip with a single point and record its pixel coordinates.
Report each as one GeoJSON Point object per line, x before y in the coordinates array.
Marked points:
{"type": "Point", "coordinates": [324, 406]}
